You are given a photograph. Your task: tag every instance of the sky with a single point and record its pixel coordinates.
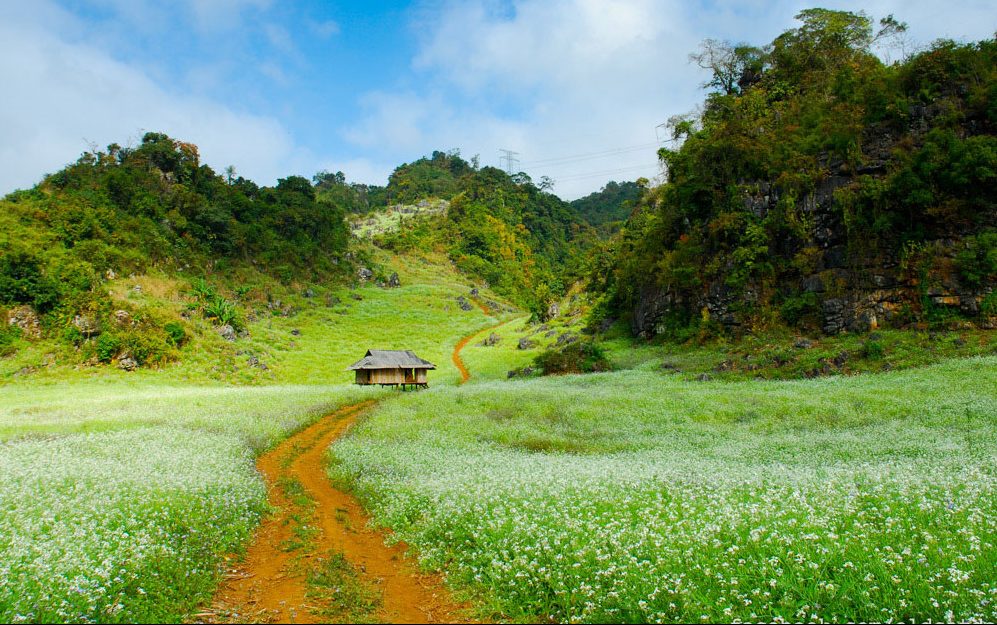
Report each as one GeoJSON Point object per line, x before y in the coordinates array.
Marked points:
{"type": "Point", "coordinates": [577, 88]}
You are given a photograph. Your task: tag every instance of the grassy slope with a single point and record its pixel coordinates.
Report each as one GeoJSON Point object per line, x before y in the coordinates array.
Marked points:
{"type": "Point", "coordinates": [116, 482]}
{"type": "Point", "coordinates": [154, 467]}
{"type": "Point", "coordinates": [637, 496]}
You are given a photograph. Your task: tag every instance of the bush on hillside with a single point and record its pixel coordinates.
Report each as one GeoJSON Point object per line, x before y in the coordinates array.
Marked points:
{"type": "Point", "coordinates": [578, 357]}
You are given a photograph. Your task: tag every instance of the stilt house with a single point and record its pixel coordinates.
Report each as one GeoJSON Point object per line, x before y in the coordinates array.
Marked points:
{"type": "Point", "coordinates": [392, 367]}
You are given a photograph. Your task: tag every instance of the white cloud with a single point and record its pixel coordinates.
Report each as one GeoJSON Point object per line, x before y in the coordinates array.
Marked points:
{"type": "Point", "coordinates": [551, 79]}
{"type": "Point", "coordinates": [559, 78]}
{"type": "Point", "coordinates": [61, 95]}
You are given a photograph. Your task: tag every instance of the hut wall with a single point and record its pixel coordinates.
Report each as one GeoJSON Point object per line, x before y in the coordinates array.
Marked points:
{"type": "Point", "coordinates": [386, 376]}
{"type": "Point", "coordinates": [421, 376]}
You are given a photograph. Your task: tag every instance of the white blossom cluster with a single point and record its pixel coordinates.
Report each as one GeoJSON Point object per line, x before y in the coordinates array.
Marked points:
{"type": "Point", "coordinates": [117, 502]}
{"type": "Point", "coordinates": [119, 525]}
{"type": "Point", "coordinates": [888, 512]}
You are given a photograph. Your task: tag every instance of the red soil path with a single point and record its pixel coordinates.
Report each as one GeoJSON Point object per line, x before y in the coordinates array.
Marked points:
{"type": "Point", "coordinates": [270, 585]}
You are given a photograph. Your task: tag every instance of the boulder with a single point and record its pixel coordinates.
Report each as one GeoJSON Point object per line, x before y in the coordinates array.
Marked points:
{"type": "Point", "coordinates": [525, 343]}
{"type": "Point", "coordinates": [463, 303]}
{"type": "Point", "coordinates": [566, 339]}
{"type": "Point", "coordinates": [227, 332]}
{"type": "Point", "coordinates": [309, 292]}
{"type": "Point", "coordinates": [25, 318]}
{"type": "Point", "coordinates": [393, 281]}
{"type": "Point", "coordinates": [127, 363]}
{"type": "Point", "coordinates": [493, 339]}
{"type": "Point", "coordinates": [803, 343]}
{"type": "Point", "coordinates": [86, 325]}
{"type": "Point", "coordinates": [296, 332]}
{"type": "Point", "coordinates": [365, 274]}
{"type": "Point", "coordinates": [553, 310]}
{"type": "Point", "coordinates": [122, 317]}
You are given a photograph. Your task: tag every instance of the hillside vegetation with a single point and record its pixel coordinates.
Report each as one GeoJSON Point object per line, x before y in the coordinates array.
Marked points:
{"type": "Point", "coordinates": [518, 237]}
{"type": "Point", "coordinates": [819, 189]}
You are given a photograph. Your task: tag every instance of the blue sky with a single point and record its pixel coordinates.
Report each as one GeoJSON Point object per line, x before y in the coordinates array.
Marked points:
{"type": "Point", "coordinates": [278, 87]}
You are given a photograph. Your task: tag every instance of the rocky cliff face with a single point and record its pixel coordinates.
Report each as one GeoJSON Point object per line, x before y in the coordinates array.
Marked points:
{"type": "Point", "coordinates": [851, 284]}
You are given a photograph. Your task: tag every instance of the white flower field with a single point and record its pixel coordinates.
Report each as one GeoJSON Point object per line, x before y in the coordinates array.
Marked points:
{"type": "Point", "coordinates": [118, 501]}
{"type": "Point", "coordinates": [632, 497]}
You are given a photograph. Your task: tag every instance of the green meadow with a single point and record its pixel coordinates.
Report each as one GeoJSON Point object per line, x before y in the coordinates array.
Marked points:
{"type": "Point", "coordinates": [637, 496]}
{"type": "Point", "coordinates": [641, 494]}
{"type": "Point", "coordinates": [123, 492]}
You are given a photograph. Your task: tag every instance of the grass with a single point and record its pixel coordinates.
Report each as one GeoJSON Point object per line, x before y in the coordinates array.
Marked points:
{"type": "Point", "coordinates": [306, 340]}
{"type": "Point", "coordinates": [635, 496]}
{"type": "Point", "coordinates": [641, 494]}
{"type": "Point", "coordinates": [120, 499]}
{"type": "Point", "coordinates": [781, 355]}
{"type": "Point", "coordinates": [344, 596]}
{"type": "Point", "coordinates": [121, 491]}
{"type": "Point", "coordinates": [379, 222]}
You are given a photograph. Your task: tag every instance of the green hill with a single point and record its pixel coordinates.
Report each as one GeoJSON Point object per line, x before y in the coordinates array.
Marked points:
{"type": "Point", "coordinates": [820, 189]}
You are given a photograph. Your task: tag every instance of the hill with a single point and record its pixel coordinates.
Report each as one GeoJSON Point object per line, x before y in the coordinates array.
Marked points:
{"type": "Point", "coordinates": [611, 204]}
{"type": "Point", "coordinates": [139, 257]}
{"type": "Point", "coordinates": [819, 189]}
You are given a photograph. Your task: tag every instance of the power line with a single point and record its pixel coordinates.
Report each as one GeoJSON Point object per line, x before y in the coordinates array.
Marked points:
{"type": "Point", "coordinates": [592, 155]}
{"type": "Point", "coordinates": [510, 160]}
{"type": "Point", "coordinates": [606, 172]}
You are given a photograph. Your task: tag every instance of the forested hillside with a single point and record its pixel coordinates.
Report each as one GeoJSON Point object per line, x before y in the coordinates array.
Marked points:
{"type": "Point", "coordinates": [520, 238]}
{"type": "Point", "coordinates": [610, 205]}
{"type": "Point", "coordinates": [155, 207]}
{"type": "Point", "coordinates": [225, 248]}
{"type": "Point", "coordinates": [820, 188]}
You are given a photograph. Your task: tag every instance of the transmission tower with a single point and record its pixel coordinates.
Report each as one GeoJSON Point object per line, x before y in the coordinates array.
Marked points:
{"type": "Point", "coordinates": [509, 158]}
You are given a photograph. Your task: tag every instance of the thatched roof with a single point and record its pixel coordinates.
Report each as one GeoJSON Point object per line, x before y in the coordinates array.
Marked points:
{"type": "Point", "coordinates": [391, 359]}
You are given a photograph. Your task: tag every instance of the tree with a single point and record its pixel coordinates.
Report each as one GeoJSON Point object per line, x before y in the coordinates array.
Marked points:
{"type": "Point", "coordinates": [734, 66]}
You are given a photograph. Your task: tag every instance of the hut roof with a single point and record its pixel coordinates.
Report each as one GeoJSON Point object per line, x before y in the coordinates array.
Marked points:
{"type": "Point", "coordinates": [391, 359]}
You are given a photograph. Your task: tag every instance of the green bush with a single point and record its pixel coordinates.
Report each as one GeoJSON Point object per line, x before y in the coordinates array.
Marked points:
{"type": "Point", "coordinates": [222, 311]}
{"type": "Point", "coordinates": [580, 357]}
{"type": "Point", "coordinates": [108, 346]}
{"type": "Point", "coordinates": [978, 262]}
{"type": "Point", "coordinates": [23, 281]}
{"type": "Point", "coordinates": [175, 333]}
{"type": "Point", "coordinates": [873, 350]}
{"type": "Point", "coordinates": [797, 309]}
{"type": "Point", "coordinates": [989, 304]}
{"type": "Point", "coordinates": [8, 335]}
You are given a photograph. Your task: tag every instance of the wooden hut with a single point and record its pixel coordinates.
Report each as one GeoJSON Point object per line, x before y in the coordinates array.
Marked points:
{"type": "Point", "coordinates": [392, 367]}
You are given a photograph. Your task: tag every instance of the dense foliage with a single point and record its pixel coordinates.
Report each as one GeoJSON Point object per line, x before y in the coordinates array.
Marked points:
{"type": "Point", "coordinates": [613, 203]}
{"type": "Point", "coordinates": [125, 210]}
{"type": "Point", "coordinates": [524, 241]}
{"type": "Point", "coordinates": [900, 155]}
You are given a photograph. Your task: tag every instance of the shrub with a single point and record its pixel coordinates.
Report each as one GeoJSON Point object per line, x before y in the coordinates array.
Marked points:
{"type": "Point", "coordinates": [107, 347]}
{"type": "Point", "coordinates": [978, 262]}
{"type": "Point", "coordinates": [580, 357]}
{"type": "Point", "coordinates": [799, 308]}
{"type": "Point", "coordinates": [175, 333]}
{"type": "Point", "coordinates": [989, 304]}
{"type": "Point", "coordinates": [8, 335]}
{"type": "Point", "coordinates": [873, 350]}
{"type": "Point", "coordinates": [22, 281]}
{"type": "Point", "coordinates": [222, 311]}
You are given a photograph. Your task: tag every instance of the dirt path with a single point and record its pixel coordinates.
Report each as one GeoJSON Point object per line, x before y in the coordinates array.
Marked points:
{"type": "Point", "coordinates": [313, 524]}
{"type": "Point", "coordinates": [465, 375]}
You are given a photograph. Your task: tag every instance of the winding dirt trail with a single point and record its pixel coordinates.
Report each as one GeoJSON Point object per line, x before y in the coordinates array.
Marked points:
{"type": "Point", "coordinates": [313, 525]}
{"type": "Point", "coordinates": [465, 375]}
{"type": "Point", "coordinates": [272, 583]}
